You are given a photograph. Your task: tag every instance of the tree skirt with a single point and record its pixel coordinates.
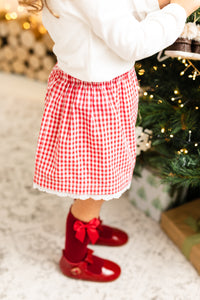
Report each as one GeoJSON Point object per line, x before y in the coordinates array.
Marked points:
{"type": "Point", "coordinates": [32, 224]}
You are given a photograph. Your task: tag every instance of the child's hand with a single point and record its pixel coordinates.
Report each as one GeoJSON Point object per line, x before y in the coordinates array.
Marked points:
{"type": "Point", "coordinates": [163, 3]}
{"type": "Point", "coordinates": [190, 6]}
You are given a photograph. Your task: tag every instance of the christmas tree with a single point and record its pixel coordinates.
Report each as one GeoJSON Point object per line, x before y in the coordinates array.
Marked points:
{"type": "Point", "coordinates": [170, 106]}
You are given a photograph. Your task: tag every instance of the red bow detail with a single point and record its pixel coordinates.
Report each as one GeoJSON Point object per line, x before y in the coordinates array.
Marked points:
{"type": "Point", "coordinates": [91, 226]}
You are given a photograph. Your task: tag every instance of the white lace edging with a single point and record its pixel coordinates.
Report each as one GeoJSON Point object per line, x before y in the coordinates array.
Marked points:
{"type": "Point", "coordinates": [82, 197]}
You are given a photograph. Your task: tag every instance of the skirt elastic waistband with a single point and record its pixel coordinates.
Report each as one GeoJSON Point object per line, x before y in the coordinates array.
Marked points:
{"type": "Point", "coordinates": [128, 75]}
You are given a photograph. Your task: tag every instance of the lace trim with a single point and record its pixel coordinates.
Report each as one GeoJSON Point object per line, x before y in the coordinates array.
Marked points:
{"type": "Point", "coordinates": [83, 197]}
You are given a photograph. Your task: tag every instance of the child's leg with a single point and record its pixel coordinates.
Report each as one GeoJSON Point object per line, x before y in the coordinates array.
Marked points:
{"type": "Point", "coordinates": [85, 210]}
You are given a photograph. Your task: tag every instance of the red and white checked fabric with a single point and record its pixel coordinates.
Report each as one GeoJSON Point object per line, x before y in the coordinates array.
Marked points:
{"type": "Point", "coordinates": [86, 145]}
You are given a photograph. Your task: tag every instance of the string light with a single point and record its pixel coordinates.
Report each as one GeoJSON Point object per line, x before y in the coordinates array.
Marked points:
{"type": "Point", "coordinates": [141, 72]}
{"type": "Point", "coordinates": [189, 64]}
{"type": "Point", "coordinates": [189, 138]}
{"type": "Point", "coordinates": [139, 65]}
{"type": "Point", "coordinates": [8, 17]}
{"type": "Point", "coordinates": [184, 150]}
{"type": "Point", "coordinates": [166, 137]}
{"type": "Point", "coordinates": [33, 22]}
{"type": "Point", "coordinates": [13, 15]}
{"type": "Point", "coordinates": [178, 139]}
{"type": "Point", "coordinates": [26, 25]}
{"type": "Point", "coordinates": [42, 29]}
{"type": "Point", "coordinates": [179, 99]}
{"type": "Point", "coordinates": [194, 75]}
{"type": "Point", "coordinates": [14, 11]}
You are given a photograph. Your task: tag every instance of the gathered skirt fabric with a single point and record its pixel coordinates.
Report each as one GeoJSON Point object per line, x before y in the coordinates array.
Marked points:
{"type": "Point", "coordinates": [86, 146]}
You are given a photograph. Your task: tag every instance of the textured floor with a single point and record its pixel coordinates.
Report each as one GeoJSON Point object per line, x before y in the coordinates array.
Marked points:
{"type": "Point", "coordinates": [32, 224]}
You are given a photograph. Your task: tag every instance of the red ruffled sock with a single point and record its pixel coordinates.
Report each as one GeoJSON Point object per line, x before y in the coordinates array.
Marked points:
{"type": "Point", "coordinates": [76, 250]}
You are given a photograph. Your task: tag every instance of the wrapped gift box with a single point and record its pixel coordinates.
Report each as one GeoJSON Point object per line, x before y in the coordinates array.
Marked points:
{"type": "Point", "coordinates": [182, 225]}
{"type": "Point", "coordinates": [150, 195]}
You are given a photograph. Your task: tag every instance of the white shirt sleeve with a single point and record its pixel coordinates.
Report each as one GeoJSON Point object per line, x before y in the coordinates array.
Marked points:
{"type": "Point", "coordinates": [143, 7]}
{"type": "Point", "coordinates": [125, 35]}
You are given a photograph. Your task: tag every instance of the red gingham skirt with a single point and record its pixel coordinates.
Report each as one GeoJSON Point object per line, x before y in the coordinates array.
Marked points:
{"type": "Point", "coordinates": [86, 146]}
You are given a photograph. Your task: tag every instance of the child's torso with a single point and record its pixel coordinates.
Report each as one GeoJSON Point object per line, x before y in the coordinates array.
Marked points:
{"type": "Point", "coordinates": [79, 51]}
{"type": "Point", "coordinates": [98, 40]}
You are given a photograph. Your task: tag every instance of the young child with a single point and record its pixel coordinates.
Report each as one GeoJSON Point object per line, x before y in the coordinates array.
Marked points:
{"type": "Point", "coordinates": [86, 147]}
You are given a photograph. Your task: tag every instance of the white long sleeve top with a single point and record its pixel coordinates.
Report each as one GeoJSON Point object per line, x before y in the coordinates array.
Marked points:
{"type": "Point", "coordinates": [97, 40]}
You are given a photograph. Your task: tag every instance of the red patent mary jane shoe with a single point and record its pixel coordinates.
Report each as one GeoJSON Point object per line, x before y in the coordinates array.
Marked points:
{"type": "Point", "coordinates": [110, 236]}
{"type": "Point", "coordinates": [108, 271]}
